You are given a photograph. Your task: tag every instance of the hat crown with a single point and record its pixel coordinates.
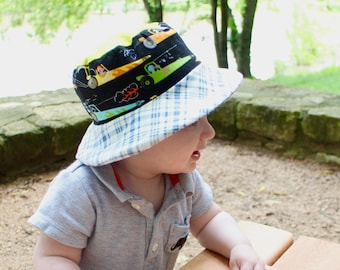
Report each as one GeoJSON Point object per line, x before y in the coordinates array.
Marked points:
{"type": "Point", "coordinates": [127, 77]}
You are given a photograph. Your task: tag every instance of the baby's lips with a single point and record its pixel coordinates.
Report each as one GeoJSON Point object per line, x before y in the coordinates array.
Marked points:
{"type": "Point", "coordinates": [196, 155]}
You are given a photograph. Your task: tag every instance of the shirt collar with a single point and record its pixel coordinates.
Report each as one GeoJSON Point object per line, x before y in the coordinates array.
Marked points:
{"type": "Point", "coordinates": [182, 184]}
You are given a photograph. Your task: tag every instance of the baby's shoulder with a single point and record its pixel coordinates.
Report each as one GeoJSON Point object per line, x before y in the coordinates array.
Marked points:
{"type": "Point", "coordinates": [74, 176]}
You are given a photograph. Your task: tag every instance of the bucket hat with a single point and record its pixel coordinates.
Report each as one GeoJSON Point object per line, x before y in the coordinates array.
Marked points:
{"type": "Point", "coordinates": [143, 92]}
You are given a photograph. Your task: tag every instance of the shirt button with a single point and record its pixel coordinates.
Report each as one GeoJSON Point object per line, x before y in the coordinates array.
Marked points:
{"type": "Point", "coordinates": [155, 247]}
{"type": "Point", "coordinates": [136, 206]}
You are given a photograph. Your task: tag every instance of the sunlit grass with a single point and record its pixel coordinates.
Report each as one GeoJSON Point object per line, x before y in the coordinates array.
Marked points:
{"type": "Point", "coordinates": [326, 80]}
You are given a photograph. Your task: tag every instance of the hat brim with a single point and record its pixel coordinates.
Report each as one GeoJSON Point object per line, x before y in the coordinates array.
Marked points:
{"type": "Point", "coordinates": [192, 98]}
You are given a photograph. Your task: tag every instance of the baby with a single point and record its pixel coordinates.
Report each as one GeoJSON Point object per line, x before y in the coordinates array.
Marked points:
{"type": "Point", "coordinates": [133, 194]}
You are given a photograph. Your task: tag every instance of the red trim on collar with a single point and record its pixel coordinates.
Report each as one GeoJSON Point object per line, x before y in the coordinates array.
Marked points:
{"type": "Point", "coordinates": [119, 181]}
{"type": "Point", "coordinates": [174, 179]}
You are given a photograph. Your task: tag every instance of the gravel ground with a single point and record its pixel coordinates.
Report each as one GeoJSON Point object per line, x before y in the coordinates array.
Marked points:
{"type": "Point", "coordinates": [250, 183]}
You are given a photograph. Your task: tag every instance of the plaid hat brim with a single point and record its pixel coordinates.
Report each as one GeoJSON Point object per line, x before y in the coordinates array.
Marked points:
{"type": "Point", "coordinates": [192, 98]}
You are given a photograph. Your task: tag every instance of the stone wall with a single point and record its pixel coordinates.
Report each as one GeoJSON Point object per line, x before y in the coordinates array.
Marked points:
{"type": "Point", "coordinates": [38, 129]}
{"type": "Point", "coordinates": [296, 122]}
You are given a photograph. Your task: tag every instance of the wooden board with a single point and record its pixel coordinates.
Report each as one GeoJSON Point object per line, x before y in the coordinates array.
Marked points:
{"type": "Point", "coordinates": [309, 253]}
{"type": "Point", "coordinates": [269, 242]}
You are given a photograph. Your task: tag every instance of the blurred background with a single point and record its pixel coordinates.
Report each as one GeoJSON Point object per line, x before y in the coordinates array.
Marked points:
{"type": "Point", "coordinates": [293, 42]}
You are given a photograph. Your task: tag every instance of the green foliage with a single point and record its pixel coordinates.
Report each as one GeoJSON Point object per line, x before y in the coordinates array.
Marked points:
{"type": "Point", "coordinates": [307, 46]}
{"type": "Point", "coordinates": [179, 6]}
{"type": "Point", "coordinates": [329, 5]}
{"type": "Point", "coordinates": [326, 80]}
{"type": "Point", "coordinates": [46, 17]}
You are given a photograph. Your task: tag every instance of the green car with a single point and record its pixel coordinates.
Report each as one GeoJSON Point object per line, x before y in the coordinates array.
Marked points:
{"type": "Point", "coordinates": [156, 73]}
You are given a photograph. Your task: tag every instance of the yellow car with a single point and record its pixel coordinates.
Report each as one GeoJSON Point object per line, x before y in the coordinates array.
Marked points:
{"type": "Point", "coordinates": [101, 75]}
{"type": "Point", "coordinates": [153, 37]}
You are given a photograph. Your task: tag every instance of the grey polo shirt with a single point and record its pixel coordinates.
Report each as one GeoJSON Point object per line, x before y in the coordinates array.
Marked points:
{"type": "Point", "coordinates": [85, 207]}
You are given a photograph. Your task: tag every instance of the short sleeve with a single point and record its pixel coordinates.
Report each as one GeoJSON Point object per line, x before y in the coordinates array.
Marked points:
{"type": "Point", "coordinates": [202, 196]}
{"type": "Point", "coordinates": [66, 213]}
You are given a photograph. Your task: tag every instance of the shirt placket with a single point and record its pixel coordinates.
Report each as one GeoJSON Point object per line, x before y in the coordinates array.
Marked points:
{"type": "Point", "coordinates": [153, 246]}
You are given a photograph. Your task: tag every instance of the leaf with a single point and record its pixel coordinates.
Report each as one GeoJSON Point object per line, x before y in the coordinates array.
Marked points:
{"type": "Point", "coordinates": [262, 189]}
{"type": "Point", "coordinates": [241, 193]}
{"type": "Point", "coordinates": [327, 172]}
{"type": "Point", "coordinates": [272, 202]}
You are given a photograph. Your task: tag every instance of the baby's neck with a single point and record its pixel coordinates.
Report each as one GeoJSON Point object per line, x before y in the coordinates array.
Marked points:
{"type": "Point", "coordinates": [150, 187]}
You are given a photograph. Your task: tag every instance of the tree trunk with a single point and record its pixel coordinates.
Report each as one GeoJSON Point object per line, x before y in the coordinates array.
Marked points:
{"type": "Point", "coordinates": [240, 41]}
{"type": "Point", "coordinates": [154, 9]}
{"type": "Point", "coordinates": [220, 36]}
{"type": "Point", "coordinates": [244, 42]}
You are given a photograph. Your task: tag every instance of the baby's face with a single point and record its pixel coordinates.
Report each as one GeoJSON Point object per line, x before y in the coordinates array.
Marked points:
{"type": "Point", "coordinates": [180, 152]}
